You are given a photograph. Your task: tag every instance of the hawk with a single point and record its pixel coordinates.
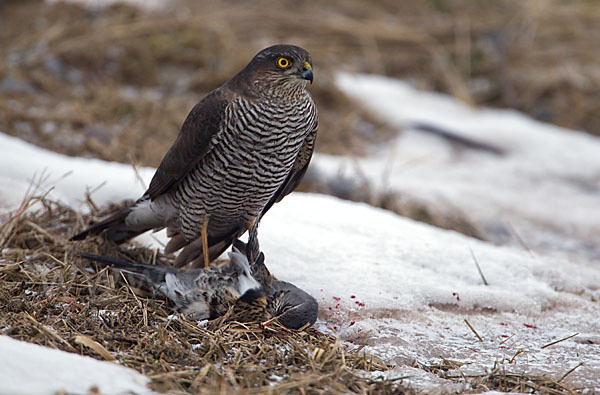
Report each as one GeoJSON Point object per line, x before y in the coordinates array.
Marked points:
{"type": "Point", "coordinates": [242, 148]}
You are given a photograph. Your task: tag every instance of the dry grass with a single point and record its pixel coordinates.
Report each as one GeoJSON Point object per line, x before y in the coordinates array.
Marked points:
{"type": "Point", "coordinates": [500, 378]}
{"type": "Point", "coordinates": [50, 297]}
{"type": "Point", "coordinates": [117, 83]}
{"type": "Point", "coordinates": [121, 81]}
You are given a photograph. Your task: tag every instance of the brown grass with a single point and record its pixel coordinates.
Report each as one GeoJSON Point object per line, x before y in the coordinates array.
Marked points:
{"type": "Point", "coordinates": [117, 83]}
{"type": "Point", "coordinates": [122, 81]}
{"type": "Point", "coordinates": [500, 378]}
{"type": "Point", "coordinates": [50, 297]}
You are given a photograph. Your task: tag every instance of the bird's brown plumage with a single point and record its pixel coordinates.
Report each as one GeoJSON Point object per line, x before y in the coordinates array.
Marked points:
{"type": "Point", "coordinates": [262, 102]}
{"type": "Point", "coordinates": [192, 143]}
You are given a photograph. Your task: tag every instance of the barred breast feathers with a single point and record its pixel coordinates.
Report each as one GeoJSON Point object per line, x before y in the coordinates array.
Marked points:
{"type": "Point", "coordinates": [245, 166]}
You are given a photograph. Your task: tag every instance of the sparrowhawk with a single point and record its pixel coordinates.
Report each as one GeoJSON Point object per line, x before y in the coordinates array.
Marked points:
{"type": "Point", "coordinates": [241, 149]}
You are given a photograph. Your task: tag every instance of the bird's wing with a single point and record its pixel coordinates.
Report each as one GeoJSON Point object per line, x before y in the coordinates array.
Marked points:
{"type": "Point", "coordinates": [298, 169]}
{"type": "Point", "coordinates": [193, 142]}
{"type": "Point", "coordinates": [153, 276]}
{"type": "Point", "coordinates": [294, 308]}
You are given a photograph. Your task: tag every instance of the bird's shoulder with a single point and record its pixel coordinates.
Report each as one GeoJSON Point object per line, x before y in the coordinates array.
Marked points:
{"type": "Point", "coordinates": [204, 122]}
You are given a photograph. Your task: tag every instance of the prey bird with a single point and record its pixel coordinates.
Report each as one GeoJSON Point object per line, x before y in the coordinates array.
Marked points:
{"type": "Point", "coordinates": [204, 293]}
{"type": "Point", "coordinates": [209, 293]}
{"type": "Point", "coordinates": [242, 148]}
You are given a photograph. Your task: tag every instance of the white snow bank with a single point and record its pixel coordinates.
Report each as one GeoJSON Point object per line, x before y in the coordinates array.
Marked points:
{"type": "Point", "coordinates": [546, 187]}
{"type": "Point", "coordinates": [404, 288]}
{"type": "Point", "coordinates": [27, 368]}
{"type": "Point", "coordinates": [402, 263]}
{"type": "Point", "coordinates": [22, 163]}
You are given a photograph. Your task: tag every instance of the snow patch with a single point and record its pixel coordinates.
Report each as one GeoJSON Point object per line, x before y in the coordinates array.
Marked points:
{"type": "Point", "coordinates": [32, 369]}
{"type": "Point", "coordinates": [22, 164]}
{"type": "Point", "coordinates": [544, 190]}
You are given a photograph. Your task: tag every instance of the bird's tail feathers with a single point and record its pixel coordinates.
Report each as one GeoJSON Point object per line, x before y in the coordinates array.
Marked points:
{"type": "Point", "coordinates": [152, 275]}
{"type": "Point", "coordinates": [115, 227]}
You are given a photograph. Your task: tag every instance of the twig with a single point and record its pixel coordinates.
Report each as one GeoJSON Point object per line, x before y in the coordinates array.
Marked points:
{"type": "Point", "coordinates": [519, 352]}
{"type": "Point", "coordinates": [478, 267]}
{"type": "Point", "coordinates": [570, 371]}
{"type": "Point", "coordinates": [474, 331]}
{"type": "Point", "coordinates": [558, 341]}
{"type": "Point", "coordinates": [6, 230]}
{"type": "Point", "coordinates": [156, 239]}
{"type": "Point", "coordinates": [55, 259]}
{"type": "Point", "coordinates": [520, 240]}
{"type": "Point", "coordinates": [189, 372]}
{"type": "Point", "coordinates": [45, 329]}
{"type": "Point", "coordinates": [39, 229]}
{"type": "Point", "coordinates": [133, 163]}
{"type": "Point", "coordinates": [88, 196]}
{"type": "Point", "coordinates": [131, 290]}
{"type": "Point", "coordinates": [94, 345]}
{"type": "Point", "coordinates": [201, 374]}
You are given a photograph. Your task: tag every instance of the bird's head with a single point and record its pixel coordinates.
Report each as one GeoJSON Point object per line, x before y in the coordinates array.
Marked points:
{"type": "Point", "coordinates": [279, 71]}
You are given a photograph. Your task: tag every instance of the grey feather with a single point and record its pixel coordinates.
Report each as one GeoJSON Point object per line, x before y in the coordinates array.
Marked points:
{"type": "Point", "coordinates": [206, 293]}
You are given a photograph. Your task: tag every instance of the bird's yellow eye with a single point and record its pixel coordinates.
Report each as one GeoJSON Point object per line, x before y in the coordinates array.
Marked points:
{"type": "Point", "coordinates": [284, 63]}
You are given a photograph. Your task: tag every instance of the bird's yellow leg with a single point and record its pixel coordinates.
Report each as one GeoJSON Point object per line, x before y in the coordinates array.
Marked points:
{"type": "Point", "coordinates": [251, 224]}
{"type": "Point", "coordinates": [252, 248]}
{"type": "Point", "coordinates": [204, 236]}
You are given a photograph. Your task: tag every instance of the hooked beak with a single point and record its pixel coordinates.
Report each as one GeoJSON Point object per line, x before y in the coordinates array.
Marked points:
{"type": "Point", "coordinates": [307, 74]}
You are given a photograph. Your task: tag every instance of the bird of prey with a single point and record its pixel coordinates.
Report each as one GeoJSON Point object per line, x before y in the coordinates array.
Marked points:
{"type": "Point", "coordinates": [241, 149]}
{"type": "Point", "coordinates": [209, 293]}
